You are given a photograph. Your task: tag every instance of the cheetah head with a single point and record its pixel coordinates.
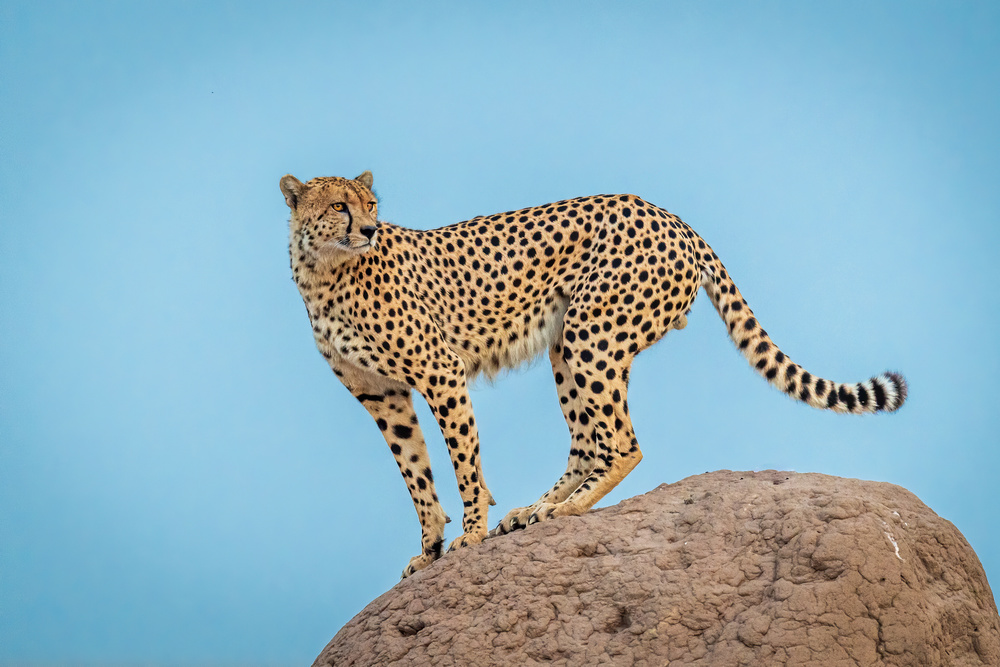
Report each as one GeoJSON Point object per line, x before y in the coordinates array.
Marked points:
{"type": "Point", "coordinates": [332, 218]}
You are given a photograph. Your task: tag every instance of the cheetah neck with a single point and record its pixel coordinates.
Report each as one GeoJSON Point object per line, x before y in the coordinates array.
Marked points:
{"type": "Point", "coordinates": [309, 271]}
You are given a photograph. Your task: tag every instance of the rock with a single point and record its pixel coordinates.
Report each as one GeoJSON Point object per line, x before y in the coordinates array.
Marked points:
{"type": "Point", "coordinates": [725, 568]}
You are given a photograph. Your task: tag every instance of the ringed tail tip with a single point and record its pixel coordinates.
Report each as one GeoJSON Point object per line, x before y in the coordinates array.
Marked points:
{"type": "Point", "coordinates": [896, 390]}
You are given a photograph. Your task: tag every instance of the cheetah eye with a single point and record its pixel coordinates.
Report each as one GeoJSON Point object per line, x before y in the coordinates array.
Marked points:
{"type": "Point", "coordinates": [338, 206]}
{"type": "Point", "coordinates": [371, 206]}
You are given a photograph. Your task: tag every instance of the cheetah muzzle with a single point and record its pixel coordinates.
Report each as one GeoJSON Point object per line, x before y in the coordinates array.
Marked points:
{"type": "Point", "coordinates": [593, 281]}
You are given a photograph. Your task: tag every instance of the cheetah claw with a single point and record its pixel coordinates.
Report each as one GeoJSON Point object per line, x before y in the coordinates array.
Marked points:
{"type": "Point", "coordinates": [505, 527]}
{"type": "Point", "coordinates": [543, 512]}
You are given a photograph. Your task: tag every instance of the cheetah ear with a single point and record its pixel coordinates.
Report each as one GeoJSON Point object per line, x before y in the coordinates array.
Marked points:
{"type": "Point", "coordinates": [292, 188]}
{"type": "Point", "coordinates": [365, 179]}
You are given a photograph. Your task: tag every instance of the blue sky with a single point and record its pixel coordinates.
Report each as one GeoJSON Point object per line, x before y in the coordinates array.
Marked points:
{"type": "Point", "coordinates": [184, 481]}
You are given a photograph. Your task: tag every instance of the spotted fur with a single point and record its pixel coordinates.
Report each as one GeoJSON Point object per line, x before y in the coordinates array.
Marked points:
{"type": "Point", "coordinates": [594, 281]}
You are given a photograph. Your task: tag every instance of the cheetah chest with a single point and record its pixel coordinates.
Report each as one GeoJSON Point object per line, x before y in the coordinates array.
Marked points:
{"type": "Point", "coordinates": [339, 341]}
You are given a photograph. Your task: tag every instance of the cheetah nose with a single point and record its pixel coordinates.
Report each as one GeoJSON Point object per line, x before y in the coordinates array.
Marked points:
{"type": "Point", "coordinates": [368, 232]}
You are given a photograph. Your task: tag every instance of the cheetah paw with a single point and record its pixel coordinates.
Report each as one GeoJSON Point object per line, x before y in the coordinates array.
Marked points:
{"type": "Point", "coordinates": [516, 519]}
{"type": "Point", "coordinates": [418, 563]}
{"type": "Point", "coordinates": [466, 540]}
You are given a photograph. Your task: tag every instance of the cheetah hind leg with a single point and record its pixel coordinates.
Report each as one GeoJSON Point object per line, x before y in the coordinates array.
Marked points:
{"type": "Point", "coordinates": [609, 450]}
{"type": "Point", "coordinates": [581, 455]}
{"type": "Point", "coordinates": [618, 454]}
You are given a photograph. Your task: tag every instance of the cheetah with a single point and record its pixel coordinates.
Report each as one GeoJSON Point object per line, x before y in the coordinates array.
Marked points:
{"type": "Point", "coordinates": [593, 281]}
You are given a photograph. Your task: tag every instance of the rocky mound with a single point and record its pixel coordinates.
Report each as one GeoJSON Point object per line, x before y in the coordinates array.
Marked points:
{"type": "Point", "coordinates": [726, 568]}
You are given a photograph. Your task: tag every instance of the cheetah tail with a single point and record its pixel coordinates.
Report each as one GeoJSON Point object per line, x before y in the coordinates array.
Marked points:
{"type": "Point", "coordinates": [882, 393]}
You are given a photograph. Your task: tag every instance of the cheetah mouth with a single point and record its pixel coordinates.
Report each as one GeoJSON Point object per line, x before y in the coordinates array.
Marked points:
{"type": "Point", "coordinates": [346, 245]}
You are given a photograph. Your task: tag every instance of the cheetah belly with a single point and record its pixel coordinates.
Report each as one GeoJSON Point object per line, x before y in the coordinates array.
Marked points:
{"type": "Point", "coordinates": [522, 340]}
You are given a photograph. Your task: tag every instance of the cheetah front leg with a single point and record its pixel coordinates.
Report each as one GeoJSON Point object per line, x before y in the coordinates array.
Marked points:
{"type": "Point", "coordinates": [449, 401]}
{"type": "Point", "coordinates": [392, 410]}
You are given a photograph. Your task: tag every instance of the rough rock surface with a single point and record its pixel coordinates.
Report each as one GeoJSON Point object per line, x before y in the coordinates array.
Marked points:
{"type": "Point", "coordinates": [725, 568]}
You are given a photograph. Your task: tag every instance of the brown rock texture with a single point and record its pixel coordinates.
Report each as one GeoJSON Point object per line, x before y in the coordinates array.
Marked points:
{"type": "Point", "coordinates": [725, 568]}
